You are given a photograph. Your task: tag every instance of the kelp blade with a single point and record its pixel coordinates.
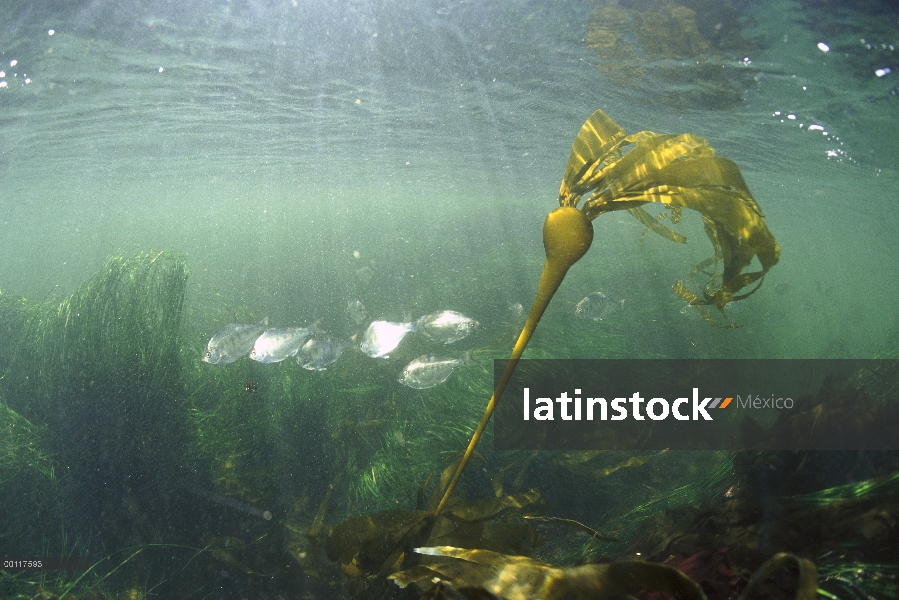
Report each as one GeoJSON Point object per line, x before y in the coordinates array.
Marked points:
{"type": "Point", "coordinates": [624, 172]}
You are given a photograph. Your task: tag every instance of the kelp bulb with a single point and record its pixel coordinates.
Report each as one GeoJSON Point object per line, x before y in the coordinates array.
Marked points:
{"type": "Point", "coordinates": [567, 235]}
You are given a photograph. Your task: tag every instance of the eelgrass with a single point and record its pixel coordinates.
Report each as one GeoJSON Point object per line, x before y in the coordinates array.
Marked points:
{"type": "Point", "coordinates": [422, 430]}
{"type": "Point", "coordinates": [60, 583]}
{"type": "Point", "coordinates": [843, 580]}
{"type": "Point", "coordinates": [100, 374]}
{"type": "Point", "coordinates": [416, 435]}
{"type": "Point", "coordinates": [21, 447]}
{"type": "Point", "coordinates": [28, 485]}
{"type": "Point", "coordinates": [126, 319]}
{"type": "Point", "coordinates": [13, 316]}
{"type": "Point", "coordinates": [98, 581]}
{"type": "Point", "coordinates": [880, 488]}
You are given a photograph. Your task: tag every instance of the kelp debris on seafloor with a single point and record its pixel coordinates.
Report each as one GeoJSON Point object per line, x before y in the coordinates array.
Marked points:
{"type": "Point", "coordinates": [453, 573]}
{"type": "Point", "coordinates": [380, 543]}
{"type": "Point", "coordinates": [480, 550]}
{"type": "Point", "coordinates": [400, 545]}
{"type": "Point", "coordinates": [521, 578]}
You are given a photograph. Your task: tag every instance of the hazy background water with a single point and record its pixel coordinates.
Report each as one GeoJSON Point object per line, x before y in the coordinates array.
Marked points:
{"type": "Point", "coordinates": [269, 141]}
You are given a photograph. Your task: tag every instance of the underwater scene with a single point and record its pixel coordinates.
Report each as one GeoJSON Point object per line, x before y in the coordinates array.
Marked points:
{"type": "Point", "coordinates": [258, 259]}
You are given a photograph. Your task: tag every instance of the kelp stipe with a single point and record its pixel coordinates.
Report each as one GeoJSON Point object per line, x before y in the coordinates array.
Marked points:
{"type": "Point", "coordinates": [567, 235]}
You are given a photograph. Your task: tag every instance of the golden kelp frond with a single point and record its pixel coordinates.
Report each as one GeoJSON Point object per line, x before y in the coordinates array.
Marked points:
{"type": "Point", "coordinates": [680, 171]}
{"type": "Point", "coordinates": [653, 224]}
{"type": "Point", "coordinates": [597, 140]}
{"type": "Point", "coordinates": [520, 578]}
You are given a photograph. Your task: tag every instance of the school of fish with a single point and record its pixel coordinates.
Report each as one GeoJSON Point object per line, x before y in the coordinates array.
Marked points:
{"type": "Point", "coordinates": [315, 350]}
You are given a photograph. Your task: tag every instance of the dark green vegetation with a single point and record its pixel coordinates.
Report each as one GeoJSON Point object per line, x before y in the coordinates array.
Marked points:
{"type": "Point", "coordinates": [119, 444]}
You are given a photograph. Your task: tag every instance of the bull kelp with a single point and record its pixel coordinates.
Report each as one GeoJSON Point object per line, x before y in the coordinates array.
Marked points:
{"type": "Point", "coordinates": [679, 171]}
{"type": "Point", "coordinates": [611, 171]}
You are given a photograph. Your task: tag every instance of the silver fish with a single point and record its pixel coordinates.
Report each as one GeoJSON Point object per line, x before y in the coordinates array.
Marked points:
{"type": "Point", "coordinates": [597, 306]}
{"type": "Point", "coordinates": [382, 337]}
{"type": "Point", "coordinates": [274, 345]}
{"type": "Point", "coordinates": [355, 310]}
{"type": "Point", "coordinates": [427, 371]}
{"type": "Point", "coordinates": [317, 355]}
{"type": "Point", "coordinates": [232, 342]}
{"type": "Point", "coordinates": [446, 326]}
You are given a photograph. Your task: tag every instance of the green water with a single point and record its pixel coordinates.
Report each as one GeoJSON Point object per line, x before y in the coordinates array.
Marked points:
{"type": "Point", "coordinates": [276, 141]}
{"type": "Point", "coordinates": [297, 155]}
